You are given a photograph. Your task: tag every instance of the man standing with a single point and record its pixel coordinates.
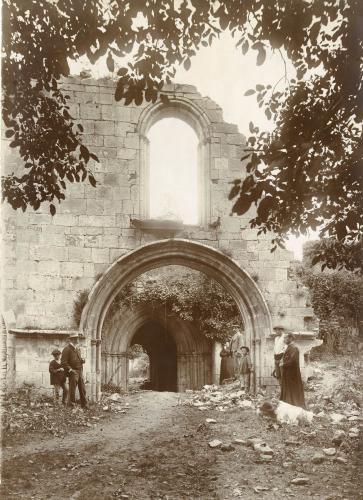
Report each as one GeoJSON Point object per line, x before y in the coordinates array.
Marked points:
{"type": "Point", "coordinates": [292, 388]}
{"type": "Point", "coordinates": [72, 362]}
{"type": "Point", "coordinates": [279, 349]}
{"type": "Point", "coordinates": [237, 342]}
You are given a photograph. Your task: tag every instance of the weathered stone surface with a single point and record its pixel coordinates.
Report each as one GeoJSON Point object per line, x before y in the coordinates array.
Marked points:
{"type": "Point", "coordinates": [91, 229]}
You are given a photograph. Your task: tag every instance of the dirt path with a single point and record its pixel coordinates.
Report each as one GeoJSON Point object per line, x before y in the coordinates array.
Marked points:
{"type": "Point", "coordinates": [159, 449]}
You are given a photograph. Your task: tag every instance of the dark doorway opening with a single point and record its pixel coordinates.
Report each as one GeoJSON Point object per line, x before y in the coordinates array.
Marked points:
{"type": "Point", "coordinates": [161, 349]}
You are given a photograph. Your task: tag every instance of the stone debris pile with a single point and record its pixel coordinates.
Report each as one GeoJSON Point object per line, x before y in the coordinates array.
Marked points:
{"type": "Point", "coordinates": [220, 398]}
{"type": "Point", "coordinates": [115, 403]}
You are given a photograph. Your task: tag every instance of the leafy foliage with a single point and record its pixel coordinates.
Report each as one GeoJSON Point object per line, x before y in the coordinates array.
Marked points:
{"type": "Point", "coordinates": [188, 297]}
{"type": "Point", "coordinates": [78, 306]}
{"type": "Point", "coordinates": [303, 175]}
{"type": "Point", "coordinates": [336, 298]}
{"type": "Point", "coordinates": [38, 39]}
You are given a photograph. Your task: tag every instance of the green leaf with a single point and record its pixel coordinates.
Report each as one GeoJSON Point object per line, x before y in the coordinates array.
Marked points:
{"type": "Point", "coordinates": [52, 209]}
{"type": "Point", "coordinates": [250, 92]}
{"type": "Point", "coordinates": [187, 64]}
{"type": "Point", "coordinates": [84, 153]}
{"type": "Point", "coordinates": [110, 63]}
{"type": "Point", "coordinates": [245, 47]}
{"type": "Point", "coordinates": [261, 56]}
{"type": "Point", "coordinates": [92, 180]}
{"type": "Point", "coordinates": [119, 92]}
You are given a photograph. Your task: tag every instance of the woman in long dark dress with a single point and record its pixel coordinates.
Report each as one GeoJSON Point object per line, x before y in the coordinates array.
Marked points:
{"type": "Point", "coordinates": [226, 363]}
{"type": "Point", "coordinates": [292, 389]}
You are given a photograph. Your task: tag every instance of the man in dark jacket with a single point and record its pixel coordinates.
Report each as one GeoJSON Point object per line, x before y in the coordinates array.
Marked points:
{"type": "Point", "coordinates": [292, 388]}
{"type": "Point", "coordinates": [72, 362]}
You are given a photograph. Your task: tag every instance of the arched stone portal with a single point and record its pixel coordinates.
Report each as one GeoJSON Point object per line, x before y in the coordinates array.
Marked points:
{"type": "Point", "coordinates": [162, 351]}
{"type": "Point", "coordinates": [213, 263]}
{"type": "Point", "coordinates": [193, 353]}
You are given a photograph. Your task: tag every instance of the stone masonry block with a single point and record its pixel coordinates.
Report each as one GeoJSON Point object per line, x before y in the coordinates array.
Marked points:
{"type": "Point", "coordinates": [236, 139]}
{"type": "Point", "coordinates": [132, 141]}
{"type": "Point", "coordinates": [85, 230]}
{"type": "Point", "coordinates": [135, 114]}
{"type": "Point", "coordinates": [95, 207]}
{"type": "Point", "coordinates": [79, 254]}
{"type": "Point", "coordinates": [89, 269]}
{"type": "Point", "coordinates": [105, 128]}
{"type": "Point", "coordinates": [110, 241]}
{"type": "Point", "coordinates": [92, 140]}
{"type": "Point", "coordinates": [113, 141]}
{"type": "Point", "coordinates": [126, 154]}
{"type": "Point", "coordinates": [221, 163]}
{"type": "Point", "coordinates": [91, 241]}
{"type": "Point", "coordinates": [97, 220]}
{"type": "Point", "coordinates": [116, 253]}
{"type": "Point", "coordinates": [74, 110]}
{"type": "Point", "coordinates": [71, 269]}
{"type": "Point", "coordinates": [74, 240]}
{"type": "Point", "coordinates": [100, 255]}
{"type": "Point", "coordinates": [116, 113]}
{"type": "Point", "coordinates": [65, 220]}
{"type": "Point", "coordinates": [49, 253]}
{"type": "Point", "coordinates": [225, 128]}
{"type": "Point", "coordinates": [74, 206]}
{"type": "Point", "coordinates": [121, 129]}
{"type": "Point", "coordinates": [90, 111]}
{"type": "Point", "coordinates": [266, 255]}
{"type": "Point", "coordinates": [230, 224]}
{"type": "Point", "coordinates": [55, 238]}
{"type": "Point", "coordinates": [88, 126]}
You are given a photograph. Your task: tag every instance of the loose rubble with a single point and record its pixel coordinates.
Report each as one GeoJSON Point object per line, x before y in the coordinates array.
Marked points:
{"type": "Point", "coordinates": [25, 410]}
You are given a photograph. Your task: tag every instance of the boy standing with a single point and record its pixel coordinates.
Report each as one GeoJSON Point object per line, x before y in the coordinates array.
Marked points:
{"type": "Point", "coordinates": [58, 377]}
{"type": "Point", "coordinates": [246, 368]}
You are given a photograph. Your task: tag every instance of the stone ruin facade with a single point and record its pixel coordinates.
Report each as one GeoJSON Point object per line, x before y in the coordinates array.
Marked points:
{"type": "Point", "coordinates": [102, 238]}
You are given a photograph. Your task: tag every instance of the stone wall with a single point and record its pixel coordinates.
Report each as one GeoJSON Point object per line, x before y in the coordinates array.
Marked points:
{"type": "Point", "coordinates": [47, 260]}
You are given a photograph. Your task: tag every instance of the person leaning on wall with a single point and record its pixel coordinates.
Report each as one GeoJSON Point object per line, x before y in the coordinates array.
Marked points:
{"type": "Point", "coordinates": [72, 362]}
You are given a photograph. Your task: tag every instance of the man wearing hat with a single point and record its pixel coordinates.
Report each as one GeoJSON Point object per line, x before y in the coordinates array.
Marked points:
{"type": "Point", "coordinates": [279, 349]}
{"type": "Point", "coordinates": [58, 377]}
{"type": "Point", "coordinates": [72, 362]}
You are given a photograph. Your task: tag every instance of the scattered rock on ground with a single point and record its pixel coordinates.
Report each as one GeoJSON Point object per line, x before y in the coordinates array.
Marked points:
{"type": "Point", "coordinates": [318, 458]}
{"type": "Point", "coordinates": [300, 481]}
{"type": "Point", "coordinates": [215, 443]}
{"type": "Point", "coordinates": [330, 452]}
{"type": "Point", "coordinates": [227, 447]}
{"type": "Point", "coordinates": [338, 437]}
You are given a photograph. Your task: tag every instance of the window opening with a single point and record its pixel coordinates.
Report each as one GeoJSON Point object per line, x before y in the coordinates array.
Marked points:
{"type": "Point", "coordinates": [173, 174]}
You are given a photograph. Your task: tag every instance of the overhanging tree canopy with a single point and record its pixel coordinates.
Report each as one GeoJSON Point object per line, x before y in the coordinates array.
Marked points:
{"type": "Point", "coordinates": [306, 174]}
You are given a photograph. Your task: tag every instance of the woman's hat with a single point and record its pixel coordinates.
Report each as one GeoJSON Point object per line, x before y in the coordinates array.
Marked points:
{"type": "Point", "coordinates": [55, 352]}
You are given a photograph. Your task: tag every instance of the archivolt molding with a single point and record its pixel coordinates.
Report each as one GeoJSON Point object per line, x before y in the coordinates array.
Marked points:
{"type": "Point", "coordinates": [177, 107]}
{"type": "Point", "coordinates": [212, 262]}
{"type": "Point", "coordinates": [119, 333]}
{"type": "Point", "coordinates": [193, 115]}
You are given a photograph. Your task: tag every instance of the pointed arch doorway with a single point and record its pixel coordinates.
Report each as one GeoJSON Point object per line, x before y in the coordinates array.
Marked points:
{"type": "Point", "coordinates": [237, 282]}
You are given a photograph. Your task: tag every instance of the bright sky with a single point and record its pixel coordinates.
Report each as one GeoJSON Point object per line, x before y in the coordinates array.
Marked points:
{"type": "Point", "coordinates": [173, 171]}
{"type": "Point", "coordinates": [224, 74]}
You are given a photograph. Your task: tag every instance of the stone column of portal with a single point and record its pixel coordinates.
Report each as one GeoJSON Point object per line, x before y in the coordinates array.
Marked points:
{"type": "Point", "coordinates": [122, 370]}
{"type": "Point", "coordinates": [181, 366]}
{"type": "Point", "coordinates": [104, 367]}
{"type": "Point", "coordinates": [91, 375]}
{"type": "Point", "coordinates": [216, 362]}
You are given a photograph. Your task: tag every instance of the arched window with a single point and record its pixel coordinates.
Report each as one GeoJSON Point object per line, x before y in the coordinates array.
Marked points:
{"type": "Point", "coordinates": [173, 171]}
